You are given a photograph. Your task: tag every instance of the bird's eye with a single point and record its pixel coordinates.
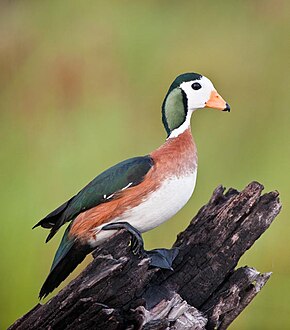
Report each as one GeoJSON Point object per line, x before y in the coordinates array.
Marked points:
{"type": "Point", "coordinates": [196, 86]}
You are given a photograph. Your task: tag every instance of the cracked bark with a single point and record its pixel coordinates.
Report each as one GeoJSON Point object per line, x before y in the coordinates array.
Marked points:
{"type": "Point", "coordinates": [120, 291]}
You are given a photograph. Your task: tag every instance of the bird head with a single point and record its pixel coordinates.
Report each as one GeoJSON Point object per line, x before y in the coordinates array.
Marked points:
{"type": "Point", "coordinates": [187, 93]}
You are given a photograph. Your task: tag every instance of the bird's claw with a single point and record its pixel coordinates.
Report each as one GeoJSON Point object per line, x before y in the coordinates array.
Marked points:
{"type": "Point", "coordinates": [137, 247]}
{"type": "Point", "coordinates": [137, 244]}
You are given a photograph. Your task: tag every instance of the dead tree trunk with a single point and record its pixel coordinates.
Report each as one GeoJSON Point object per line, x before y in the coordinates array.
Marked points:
{"type": "Point", "coordinates": [120, 291]}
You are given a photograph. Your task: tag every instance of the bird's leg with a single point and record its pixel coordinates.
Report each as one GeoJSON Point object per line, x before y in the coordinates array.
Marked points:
{"type": "Point", "coordinates": [161, 258]}
{"type": "Point", "coordinates": [137, 243]}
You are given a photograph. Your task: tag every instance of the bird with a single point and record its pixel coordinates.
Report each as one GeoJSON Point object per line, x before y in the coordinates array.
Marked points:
{"type": "Point", "coordinates": [137, 194]}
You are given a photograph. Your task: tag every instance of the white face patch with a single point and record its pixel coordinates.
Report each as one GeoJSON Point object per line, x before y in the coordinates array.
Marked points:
{"type": "Point", "coordinates": [196, 99]}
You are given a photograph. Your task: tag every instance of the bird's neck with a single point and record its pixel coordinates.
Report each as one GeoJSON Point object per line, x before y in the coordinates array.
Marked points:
{"type": "Point", "coordinates": [178, 154]}
{"type": "Point", "coordinates": [182, 128]}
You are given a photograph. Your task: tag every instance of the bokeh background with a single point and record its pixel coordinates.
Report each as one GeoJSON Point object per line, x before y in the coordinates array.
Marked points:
{"type": "Point", "coordinates": [81, 85]}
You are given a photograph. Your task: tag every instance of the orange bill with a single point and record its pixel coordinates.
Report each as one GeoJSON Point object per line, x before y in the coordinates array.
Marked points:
{"type": "Point", "coordinates": [217, 102]}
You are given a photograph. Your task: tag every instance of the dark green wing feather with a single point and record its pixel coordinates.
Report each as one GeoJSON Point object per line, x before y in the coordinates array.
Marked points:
{"type": "Point", "coordinates": [130, 171]}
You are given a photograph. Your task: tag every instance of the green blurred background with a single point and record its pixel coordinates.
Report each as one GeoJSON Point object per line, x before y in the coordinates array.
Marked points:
{"type": "Point", "coordinates": [81, 85]}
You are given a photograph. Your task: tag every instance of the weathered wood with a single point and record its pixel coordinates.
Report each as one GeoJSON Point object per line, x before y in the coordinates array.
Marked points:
{"type": "Point", "coordinates": [120, 291]}
{"type": "Point", "coordinates": [233, 296]}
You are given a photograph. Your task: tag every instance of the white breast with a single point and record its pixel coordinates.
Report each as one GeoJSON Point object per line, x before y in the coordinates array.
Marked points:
{"type": "Point", "coordinates": [160, 206]}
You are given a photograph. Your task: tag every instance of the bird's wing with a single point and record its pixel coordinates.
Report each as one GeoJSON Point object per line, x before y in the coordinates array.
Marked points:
{"type": "Point", "coordinates": [128, 173]}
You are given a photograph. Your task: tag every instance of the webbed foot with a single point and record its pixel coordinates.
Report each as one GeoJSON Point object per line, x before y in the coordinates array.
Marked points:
{"type": "Point", "coordinates": [161, 258]}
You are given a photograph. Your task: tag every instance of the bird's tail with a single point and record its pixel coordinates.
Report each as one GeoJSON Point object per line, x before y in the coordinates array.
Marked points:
{"type": "Point", "coordinates": [69, 254]}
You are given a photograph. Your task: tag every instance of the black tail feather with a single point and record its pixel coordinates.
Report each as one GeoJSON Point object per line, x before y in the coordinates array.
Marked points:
{"type": "Point", "coordinates": [55, 217]}
{"type": "Point", "coordinates": [64, 267]}
{"type": "Point", "coordinates": [52, 232]}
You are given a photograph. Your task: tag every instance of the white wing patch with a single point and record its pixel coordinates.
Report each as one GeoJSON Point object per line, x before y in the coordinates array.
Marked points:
{"type": "Point", "coordinates": [128, 185]}
{"type": "Point", "coordinates": [112, 195]}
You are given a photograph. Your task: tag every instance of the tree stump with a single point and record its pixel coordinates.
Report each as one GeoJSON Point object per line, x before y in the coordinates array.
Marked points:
{"type": "Point", "coordinates": [118, 290]}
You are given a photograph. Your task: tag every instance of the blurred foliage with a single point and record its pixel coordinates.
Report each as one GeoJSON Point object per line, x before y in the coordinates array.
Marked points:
{"type": "Point", "coordinates": [81, 84]}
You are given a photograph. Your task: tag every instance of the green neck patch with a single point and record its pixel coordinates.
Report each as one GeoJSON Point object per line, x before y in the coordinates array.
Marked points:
{"type": "Point", "coordinates": [174, 109]}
